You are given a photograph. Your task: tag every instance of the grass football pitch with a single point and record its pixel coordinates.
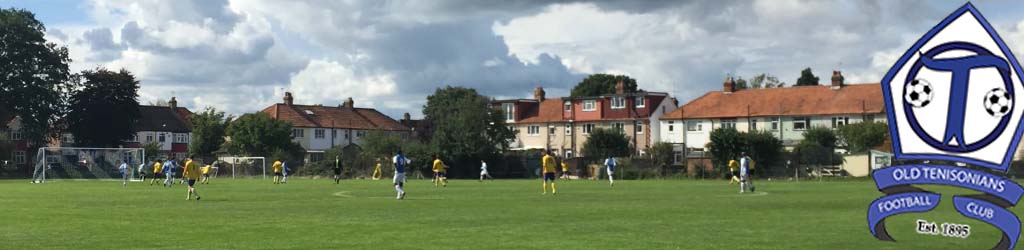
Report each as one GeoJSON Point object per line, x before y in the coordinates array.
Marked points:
{"type": "Point", "coordinates": [503, 214]}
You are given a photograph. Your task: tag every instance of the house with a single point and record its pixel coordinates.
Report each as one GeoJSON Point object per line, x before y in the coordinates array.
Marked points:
{"type": "Point", "coordinates": [422, 129]}
{"type": "Point", "coordinates": [562, 125]}
{"type": "Point", "coordinates": [168, 126]}
{"type": "Point", "coordinates": [785, 112]}
{"type": "Point", "coordinates": [16, 142]}
{"type": "Point", "coordinates": [319, 128]}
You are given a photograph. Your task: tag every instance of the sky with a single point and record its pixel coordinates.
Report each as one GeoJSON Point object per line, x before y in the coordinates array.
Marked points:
{"type": "Point", "coordinates": [240, 56]}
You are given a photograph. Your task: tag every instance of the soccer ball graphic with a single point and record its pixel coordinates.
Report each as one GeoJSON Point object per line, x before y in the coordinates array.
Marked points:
{"type": "Point", "coordinates": [918, 93]}
{"type": "Point", "coordinates": [998, 102]}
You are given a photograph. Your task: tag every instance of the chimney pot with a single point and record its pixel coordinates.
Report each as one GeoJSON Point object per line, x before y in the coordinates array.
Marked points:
{"type": "Point", "coordinates": [728, 86]}
{"type": "Point", "coordinates": [837, 79]}
{"type": "Point", "coordinates": [406, 117]}
{"type": "Point", "coordinates": [538, 93]}
{"type": "Point", "coordinates": [620, 88]}
{"type": "Point", "coordinates": [173, 103]}
{"type": "Point", "coordinates": [349, 103]}
{"type": "Point", "coordinates": [288, 98]}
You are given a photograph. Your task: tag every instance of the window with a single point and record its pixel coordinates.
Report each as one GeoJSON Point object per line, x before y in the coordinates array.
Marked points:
{"type": "Point", "coordinates": [801, 123]}
{"type": "Point", "coordinates": [568, 129]}
{"type": "Point", "coordinates": [133, 138]}
{"type": "Point", "coordinates": [161, 137]}
{"type": "Point", "coordinates": [319, 133]}
{"type": "Point", "coordinates": [618, 126]}
{"type": "Point", "coordinates": [149, 137]}
{"type": "Point", "coordinates": [334, 133]}
{"type": "Point", "coordinates": [640, 102]}
{"type": "Point", "coordinates": [532, 130]}
{"type": "Point", "coordinates": [671, 126]}
{"type": "Point", "coordinates": [298, 133]}
{"type": "Point", "coordinates": [568, 154]}
{"type": "Point", "coordinates": [775, 123]}
{"type": "Point", "coordinates": [753, 124]}
{"type": "Point", "coordinates": [728, 123]}
{"type": "Point", "coordinates": [552, 130]}
{"type": "Point", "coordinates": [618, 102]}
{"type": "Point", "coordinates": [839, 121]}
{"type": "Point", "coordinates": [587, 128]}
{"type": "Point", "coordinates": [639, 127]}
{"type": "Point", "coordinates": [589, 105]}
{"type": "Point", "coordinates": [19, 157]}
{"type": "Point", "coordinates": [568, 106]}
{"type": "Point", "coordinates": [16, 135]}
{"type": "Point", "coordinates": [869, 118]}
{"type": "Point", "coordinates": [315, 157]}
{"type": "Point", "coordinates": [180, 138]}
{"type": "Point", "coordinates": [510, 109]}
{"type": "Point", "coordinates": [360, 134]}
{"type": "Point", "coordinates": [694, 126]}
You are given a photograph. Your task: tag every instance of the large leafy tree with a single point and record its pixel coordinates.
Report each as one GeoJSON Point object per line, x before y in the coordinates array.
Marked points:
{"type": "Point", "coordinates": [208, 130]}
{"type": "Point", "coordinates": [818, 147]}
{"type": "Point", "coordinates": [35, 82]}
{"type": "Point", "coordinates": [602, 84]}
{"type": "Point", "coordinates": [257, 134]}
{"type": "Point", "coordinates": [765, 81]}
{"type": "Point", "coordinates": [466, 128]}
{"type": "Point", "coordinates": [861, 137]}
{"type": "Point", "coordinates": [807, 78]}
{"type": "Point", "coordinates": [764, 148]}
{"type": "Point", "coordinates": [726, 144]}
{"type": "Point", "coordinates": [104, 112]}
{"type": "Point", "coordinates": [381, 144]}
{"type": "Point", "coordinates": [603, 143]}
{"type": "Point", "coordinates": [662, 155]}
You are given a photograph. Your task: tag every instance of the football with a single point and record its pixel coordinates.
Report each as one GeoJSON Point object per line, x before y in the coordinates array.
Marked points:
{"type": "Point", "coordinates": [998, 102]}
{"type": "Point", "coordinates": [918, 93]}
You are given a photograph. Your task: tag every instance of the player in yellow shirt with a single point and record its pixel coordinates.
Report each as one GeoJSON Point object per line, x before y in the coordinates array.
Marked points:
{"type": "Point", "coordinates": [191, 173]}
{"type": "Point", "coordinates": [440, 172]}
{"type": "Point", "coordinates": [206, 173]}
{"type": "Point", "coordinates": [158, 171]}
{"type": "Point", "coordinates": [276, 168]}
{"type": "Point", "coordinates": [734, 171]}
{"type": "Point", "coordinates": [548, 166]}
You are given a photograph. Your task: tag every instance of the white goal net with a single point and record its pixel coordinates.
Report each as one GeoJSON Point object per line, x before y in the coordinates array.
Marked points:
{"type": "Point", "coordinates": [243, 167]}
{"type": "Point", "coordinates": [86, 163]}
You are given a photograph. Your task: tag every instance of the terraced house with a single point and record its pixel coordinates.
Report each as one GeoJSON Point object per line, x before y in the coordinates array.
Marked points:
{"type": "Point", "coordinates": [168, 126]}
{"type": "Point", "coordinates": [318, 128]}
{"type": "Point", "coordinates": [563, 124]}
{"type": "Point", "coordinates": [786, 112]}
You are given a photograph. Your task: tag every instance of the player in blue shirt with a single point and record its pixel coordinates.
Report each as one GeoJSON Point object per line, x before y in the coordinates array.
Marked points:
{"type": "Point", "coordinates": [400, 162]}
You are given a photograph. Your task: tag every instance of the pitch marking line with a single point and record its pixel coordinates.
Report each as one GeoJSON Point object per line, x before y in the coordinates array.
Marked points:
{"type": "Point", "coordinates": [344, 194]}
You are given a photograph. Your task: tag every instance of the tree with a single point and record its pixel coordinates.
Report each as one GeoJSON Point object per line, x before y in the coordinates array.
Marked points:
{"type": "Point", "coordinates": [861, 137]}
{"type": "Point", "coordinates": [818, 147]}
{"type": "Point", "coordinates": [740, 84]}
{"type": "Point", "coordinates": [602, 84]}
{"type": "Point", "coordinates": [104, 112]}
{"type": "Point", "coordinates": [726, 144]}
{"type": "Point", "coordinates": [381, 144]}
{"type": "Point", "coordinates": [151, 149]}
{"type": "Point", "coordinates": [662, 155]}
{"type": "Point", "coordinates": [256, 134]}
{"type": "Point", "coordinates": [765, 81]}
{"type": "Point", "coordinates": [603, 143]}
{"type": "Point", "coordinates": [764, 148]}
{"type": "Point", "coordinates": [466, 128]}
{"type": "Point", "coordinates": [807, 78]}
{"type": "Point", "coordinates": [34, 80]}
{"type": "Point", "coordinates": [208, 130]}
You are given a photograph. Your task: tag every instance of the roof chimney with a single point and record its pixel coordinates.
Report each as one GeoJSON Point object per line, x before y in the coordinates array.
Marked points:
{"type": "Point", "coordinates": [288, 98]}
{"type": "Point", "coordinates": [349, 103]}
{"type": "Point", "coordinates": [538, 93]}
{"type": "Point", "coordinates": [173, 103]}
{"type": "Point", "coordinates": [837, 79]}
{"type": "Point", "coordinates": [620, 88]}
{"type": "Point", "coordinates": [406, 117]}
{"type": "Point", "coordinates": [728, 86]}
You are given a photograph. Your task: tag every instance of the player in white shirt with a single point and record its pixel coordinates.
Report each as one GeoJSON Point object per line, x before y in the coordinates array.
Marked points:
{"type": "Point", "coordinates": [284, 171]}
{"type": "Point", "coordinates": [610, 164]}
{"type": "Point", "coordinates": [169, 167]}
{"type": "Point", "coordinates": [125, 172]}
{"type": "Point", "coordinates": [142, 171]}
{"type": "Point", "coordinates": [483, 171]}
{"type": "Point", "coordinates": [744, 176]}
{"type": "Point", "coordinates": [400, 162]}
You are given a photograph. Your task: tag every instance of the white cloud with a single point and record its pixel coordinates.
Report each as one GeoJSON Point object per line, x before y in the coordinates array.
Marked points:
{"type": "Point", "coordinates": [326, 82]}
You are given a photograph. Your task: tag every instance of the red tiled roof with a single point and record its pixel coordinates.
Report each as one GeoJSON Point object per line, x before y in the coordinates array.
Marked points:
{"type": "Point", "coordinates": [164, 119]}
{"type": "Point", "coordinates": [550, 110]}
{"type": "Point", "coordinates": [802, 100]}
{"type": "Point", "coordinates": [316, 116]}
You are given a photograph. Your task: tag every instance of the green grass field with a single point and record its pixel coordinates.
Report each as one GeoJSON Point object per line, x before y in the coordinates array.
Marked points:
{"type": "Point", "coordinates": [504, 214]}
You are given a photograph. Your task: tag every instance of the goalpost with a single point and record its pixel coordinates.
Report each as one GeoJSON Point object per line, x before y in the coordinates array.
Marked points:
{"type": "Point", "coordinates": [249, 166]}
{"type": "Point", "coordinates": [86, 163]}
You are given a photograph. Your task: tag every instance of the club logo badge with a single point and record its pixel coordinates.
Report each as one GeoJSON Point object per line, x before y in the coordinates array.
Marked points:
{"type": "Point", "coordinates": [952, 97]}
